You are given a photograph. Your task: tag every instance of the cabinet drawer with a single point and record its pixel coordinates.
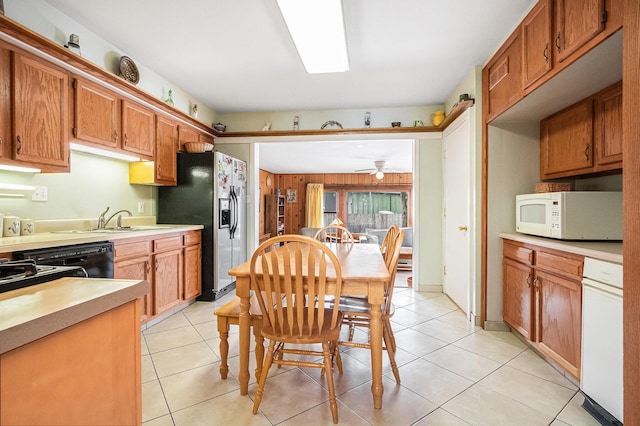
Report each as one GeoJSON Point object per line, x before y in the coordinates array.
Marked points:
{"type": "Point", "coordinates": [170, 243]}
{"type": "Point", "coordinates": [563, 265]}
{"type": "Point", "coordinates": [192, 238]}
{"type": "Point", "coordinates": [518, 253]}
{"type": "Point", "coordinates": [136, 248]}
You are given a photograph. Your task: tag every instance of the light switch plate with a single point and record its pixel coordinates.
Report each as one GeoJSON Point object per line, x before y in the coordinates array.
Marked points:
{"type": "Point", "coordinates": [41, 193]}
{"type": "Point", "coordinates": [140, 206]}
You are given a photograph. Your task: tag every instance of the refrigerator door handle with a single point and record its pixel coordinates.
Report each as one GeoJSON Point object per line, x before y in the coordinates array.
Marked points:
{"type": "Point", "coordinates": [234, 213]}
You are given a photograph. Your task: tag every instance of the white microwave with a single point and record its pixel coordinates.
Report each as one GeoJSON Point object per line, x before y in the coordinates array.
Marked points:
{"type": "Point", "coordinates": [571, 215]}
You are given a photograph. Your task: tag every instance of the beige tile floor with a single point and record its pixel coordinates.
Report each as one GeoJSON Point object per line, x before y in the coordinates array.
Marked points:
{"type": "Point", "coordinates": [452, 374]}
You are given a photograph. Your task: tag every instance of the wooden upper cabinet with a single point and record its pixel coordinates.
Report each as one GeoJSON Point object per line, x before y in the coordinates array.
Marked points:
{"type": "Point", "coordinates": [566, 141]}
{"type": "Point", "coordinates": [5, 103]}
{"type": "Point", "coordinates": [608, 128]}
{"type": "Point", "coordinates": [205, 137]}
{"type": "Point", "coordinates": [577, 22]}
{"type": "Point", "coordinates": [40, 112]}
{"type": "Point", "coordinates": [585, 138]}
{"type": "Point", "coordinates": [536, 42]}
{"type": "Point", "coordinates": [502, 77]}
{"type": "Point", "coordinates": [166, 150]}
{"type": "Point", "coordinates": [138, 124]}
{"type": "Point", "coordinates": [186, 134]}
{"type": "Point", "coordinates": [97, 114]}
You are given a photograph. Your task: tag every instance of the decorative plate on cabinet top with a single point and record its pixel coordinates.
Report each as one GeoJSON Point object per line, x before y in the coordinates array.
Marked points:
{"type": "Point", "coordinates": [129, 70]}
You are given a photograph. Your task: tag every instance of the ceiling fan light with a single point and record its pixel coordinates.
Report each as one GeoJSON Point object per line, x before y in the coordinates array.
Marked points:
{"type": "Point", "coordinates": [317, 30]}
{"type": "Point", "coordinates": [379, 174]}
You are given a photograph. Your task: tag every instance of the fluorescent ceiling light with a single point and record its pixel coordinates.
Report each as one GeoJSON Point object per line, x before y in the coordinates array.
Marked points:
{"type": "Point", "coordinates": [317, 29]}
{"type": "Point", "coordinates": [102, 152]}
{"type": "Point", "coordinates": [19, 169]}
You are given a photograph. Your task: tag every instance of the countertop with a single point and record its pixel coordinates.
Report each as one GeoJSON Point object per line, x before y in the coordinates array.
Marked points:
{"type": "Point", "coordinates": [54, 239]}
{"type": "Point", "coordinates": [610, 251]}
{"type": "Point", "coordinates": [31, 313]}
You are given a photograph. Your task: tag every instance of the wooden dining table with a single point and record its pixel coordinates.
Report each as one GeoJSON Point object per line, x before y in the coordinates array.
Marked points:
{"type": "Point", "coordinates": [363, 274]}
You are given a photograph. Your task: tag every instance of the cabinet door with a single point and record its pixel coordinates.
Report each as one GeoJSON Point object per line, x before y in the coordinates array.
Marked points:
{"type": "Point", "coordinates": [536, 43]}
{"type": "Point", "coordinates": [503, 77]}
{"type": "Point", "coordinates": [137, 129]}
{"type": "Point", "coordinates": [577, 22]}
{"type": "Point", "coordinates": [566, 144]}
{"type": "Point", "coordinates": [559, 319]}
{"type": "Point", "coordinates": [517, 297]}
{"type": "Point", "coordinates": [608, 128]}
{"type": "Point", "coordinates": [5, 103]}
{"type": "Point", "coordinates": [167, 277]}
{"type": "Point", "coordinates": [137, 269]}
{"type": "Point", "coordinates": [205, 137]}
{"type": "Point", "coordinates": [186, 134]}
{"type": "Point", "coordinates": [97, 114]}
{"type": "Point", "coordinates": [192, 272]}
{"type": "Point", "coordinates": [166, 150]}
{"type": "Point", "coordinates": [40, 112]}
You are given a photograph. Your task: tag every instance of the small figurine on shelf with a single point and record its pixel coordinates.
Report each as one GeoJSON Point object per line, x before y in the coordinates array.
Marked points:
{"type": "Point", "coordinates": [267, 126]}
{"type": "Point", "coordinates": [367, 119]}
{"type": "Point", "coordinates": [169, 99]}
{"type": "Point", "coordinates": [296, 123]}
{"type": "Point", "coordinates": [194, 110]}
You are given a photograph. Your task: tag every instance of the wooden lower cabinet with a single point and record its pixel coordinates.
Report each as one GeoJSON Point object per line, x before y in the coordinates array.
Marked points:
{"type": "Point", "coordinates": [171, 264]}
{"type": "Point", "coordinates": [542, 301]}
{"type": "Point", "coordinates": [86, 374]}
{"type": "Point", "coordinates": [560, 319]}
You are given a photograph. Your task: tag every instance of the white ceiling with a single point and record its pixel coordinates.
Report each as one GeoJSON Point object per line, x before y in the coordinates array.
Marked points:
{"type": "Point", "coordinates": [237, 55]}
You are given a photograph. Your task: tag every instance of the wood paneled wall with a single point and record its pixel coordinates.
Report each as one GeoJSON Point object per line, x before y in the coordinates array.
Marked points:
{"type": "Point", "coordinates": [295, 212]}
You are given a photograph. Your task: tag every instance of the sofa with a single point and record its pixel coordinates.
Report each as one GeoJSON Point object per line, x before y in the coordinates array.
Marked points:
{"type": "Point", "coordinates": [406, 251]}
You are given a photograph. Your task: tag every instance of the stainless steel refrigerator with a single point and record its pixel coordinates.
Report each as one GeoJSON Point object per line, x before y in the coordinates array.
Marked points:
{"type": "Point", "coordinates": [211, 191]}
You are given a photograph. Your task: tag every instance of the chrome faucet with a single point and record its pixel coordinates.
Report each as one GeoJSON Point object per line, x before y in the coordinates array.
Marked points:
{"type": "Point", "coordinates": [102, 222]}
{"type": "Point", "coordinates": [119, 220]}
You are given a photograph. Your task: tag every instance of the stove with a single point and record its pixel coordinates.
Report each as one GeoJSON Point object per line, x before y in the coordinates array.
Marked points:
{"type": "Point", "coordinates": [24, 273]}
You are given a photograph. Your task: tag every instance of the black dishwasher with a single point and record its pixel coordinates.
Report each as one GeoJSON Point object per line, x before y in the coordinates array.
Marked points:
{"type": "Point", "coordinates": [95, 258]}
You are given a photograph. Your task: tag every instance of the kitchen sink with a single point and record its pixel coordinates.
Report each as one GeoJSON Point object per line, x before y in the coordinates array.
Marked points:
{"type": "Point", "coordinates": [111, 230]}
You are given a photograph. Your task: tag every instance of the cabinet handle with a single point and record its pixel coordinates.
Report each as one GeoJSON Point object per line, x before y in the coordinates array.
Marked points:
{"type": "Point", "coordinates": [126, 139]}
{"type": "Point", "coordinates": [0, 141]}
{"type": "Point", "coordinates": [586, 152]}
{"type": "Point", "coordinates": [558, 42]}
{"type": "Point", "coordinates": [115, 134]}
{"type": "Point", "coordinates": [535, 284]}
{"type": "Point", "coordinates": [19, 148]}
{"type": "Point", "coordinates": [148, 267]}
{"type": "Point", "coordinates": [546, 53]}
{"type": "Point", "coordinates": [529, 280]}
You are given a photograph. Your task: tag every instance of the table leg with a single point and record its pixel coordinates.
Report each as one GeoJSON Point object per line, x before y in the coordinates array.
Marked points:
{"type": "Point", "coordinates": [244, 320]}
{"type": "Point", "coordinates": [376, 355]}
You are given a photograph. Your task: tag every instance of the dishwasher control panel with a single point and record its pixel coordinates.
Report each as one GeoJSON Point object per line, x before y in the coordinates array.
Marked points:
{"type": "Point", "coordinates": [602, 271]}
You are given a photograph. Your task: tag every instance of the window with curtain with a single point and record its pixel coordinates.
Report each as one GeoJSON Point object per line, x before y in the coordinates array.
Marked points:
{"type": "Point", "coordinates": [330, 206]}
{"type": "Point", "coordinates": [314, 205]}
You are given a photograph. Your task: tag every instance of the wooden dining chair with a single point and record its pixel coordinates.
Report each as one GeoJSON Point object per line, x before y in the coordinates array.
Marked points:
{"type": "Point", "coordinates": [334, 234]}
{"type": "Point", "coordinates": [389, 237]}
{"type": "Point", "coordinates": [289, 273]}
{"type": "Point", "coordinates": [357, 311]}
{"type": "Point", "coordinates": [229, 314]}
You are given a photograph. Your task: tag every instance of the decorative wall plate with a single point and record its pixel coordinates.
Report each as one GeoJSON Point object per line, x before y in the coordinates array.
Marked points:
{"type": "Point", "coordinates": [129, 70]}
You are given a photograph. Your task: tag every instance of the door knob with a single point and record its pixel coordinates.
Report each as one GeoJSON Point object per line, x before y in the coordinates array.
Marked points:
{"type": "Point", "coordinates": [462, 228]}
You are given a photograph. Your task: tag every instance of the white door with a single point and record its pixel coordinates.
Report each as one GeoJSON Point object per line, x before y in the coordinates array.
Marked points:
{"type": "Point", "coordinates": [457, 202]}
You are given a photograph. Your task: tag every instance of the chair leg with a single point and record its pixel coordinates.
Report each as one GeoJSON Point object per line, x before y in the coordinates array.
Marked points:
{"type": "Point", "coordinates": [386, 335]}
{"type": "Point", "coordinates": [223, 330]}
{"type": "Point", "coordinates": [259, 349]}
{"type": "Point", "coordinates": [333, 404]}
{"type": "Point", "coordinates": [263, 376]}
{"type": "Point", "coordinates": [387, 324]}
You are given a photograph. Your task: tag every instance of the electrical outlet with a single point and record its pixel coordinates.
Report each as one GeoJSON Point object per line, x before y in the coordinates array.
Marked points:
{"type": "Point", "coordinates": [40, 193]}
{"type": "Point", "coordinates": [140, 206]}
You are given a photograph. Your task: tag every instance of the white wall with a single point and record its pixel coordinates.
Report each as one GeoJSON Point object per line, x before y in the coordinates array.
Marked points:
{"type": "Point", "coordinates": [514, 168]}
{"type": "Point", "coordinates": [93, 184]}
{"type": "Point", "coordinates": [313, 120]}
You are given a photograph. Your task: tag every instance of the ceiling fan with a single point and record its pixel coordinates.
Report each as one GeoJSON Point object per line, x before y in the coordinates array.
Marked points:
{"type": "Point", "coordinates": [378, 170]}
